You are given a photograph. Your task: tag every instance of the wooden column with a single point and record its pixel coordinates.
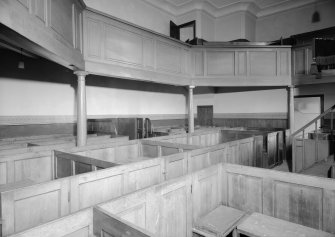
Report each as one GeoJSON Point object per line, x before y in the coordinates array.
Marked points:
{"type": "Point", "coordinates": [81, 109]}
{"type": "Point", "coordinates": [291, 108]}
{"type": "Point", "coordinates": [190, 110]}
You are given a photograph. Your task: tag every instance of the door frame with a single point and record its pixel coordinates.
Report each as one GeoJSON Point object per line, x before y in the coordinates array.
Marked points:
{"type": "Point", "coordinates": [322, 104]}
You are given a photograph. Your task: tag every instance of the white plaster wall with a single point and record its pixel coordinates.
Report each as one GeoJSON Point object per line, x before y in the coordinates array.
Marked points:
{"type": "Point", "coordinates": [250, 27]}
{"type": "Point", "coordinates": [137, 12]}
{"type": "Point", "coordinates": [261, 101]}
{"type": "Point", "coordinates": [111, 101]}
{"type": "Point", "coordinates": [207, 27]}
{"type": "Point", "coordinates": [295, 21]}
{"type": "Point", "coordinates": [23, 97]}
{"type": "Point", "coordinates": [229, 27]}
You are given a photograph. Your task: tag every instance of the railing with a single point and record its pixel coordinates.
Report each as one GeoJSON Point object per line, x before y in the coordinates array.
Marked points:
{"type": "Point", "coordinates": [300, 144]}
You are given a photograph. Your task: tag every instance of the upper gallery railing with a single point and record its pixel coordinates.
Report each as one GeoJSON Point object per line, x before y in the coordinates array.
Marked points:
{"type": "Point", "coordinates": [113, 47]}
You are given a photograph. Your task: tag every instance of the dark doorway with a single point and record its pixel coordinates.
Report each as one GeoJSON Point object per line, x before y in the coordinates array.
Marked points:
{"type": "Point", "coordinates": [205, 115]}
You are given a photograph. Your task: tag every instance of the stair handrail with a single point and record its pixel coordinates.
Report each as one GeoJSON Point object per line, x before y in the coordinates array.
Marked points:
{"type": "Point", "coordinates": [313, 121]}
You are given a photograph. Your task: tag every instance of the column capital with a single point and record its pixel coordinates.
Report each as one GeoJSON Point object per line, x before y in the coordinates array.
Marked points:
{"type": "Point", "coordinates": [191, 87]}
{"type": "Point", "coordinates": [291, 86]}
{"type": "Point", "coordinates": [81, 73]}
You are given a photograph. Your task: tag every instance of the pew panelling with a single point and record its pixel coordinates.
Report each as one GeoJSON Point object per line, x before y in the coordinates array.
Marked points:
{"type": "Point", "coordinates": [301, 199]}
{"type": "Point", "coordinates": [168, 209]}
{"type": "Point", "coordinates": [36, 163]}
{"type": "Point", "coordinates": [79, 224]}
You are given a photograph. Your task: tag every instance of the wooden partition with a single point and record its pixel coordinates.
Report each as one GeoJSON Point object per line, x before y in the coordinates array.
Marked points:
{"type": "Point", "coordinates": [307, 152]}
{"type": "Point", "coordinates": [81, 190]}
{"type": "Point", "coordinates": [301, 199]}
{"type": "Point", "coordinates": [167, 209]}
{"type": "Point", "coordinates": [36, 163]}
{"type": "Point", "coordinates": [239, 65]}
{"type": "Point", "coordinates": [274, 145]}
{"type": "Point", "coordinates": [52, 29]}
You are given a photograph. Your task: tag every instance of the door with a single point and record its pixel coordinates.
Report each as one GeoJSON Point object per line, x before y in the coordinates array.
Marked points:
{"type": "Point", "coordinates": [306, 108]}
{"type": "Point", "coordinates": [205, 115]}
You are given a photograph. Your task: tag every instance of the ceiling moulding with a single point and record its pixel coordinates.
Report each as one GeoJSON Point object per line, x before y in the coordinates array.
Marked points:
{"type": "Point", "coordinates": [179, 8]}
{"type": "Point", "coordinates": [289, 5]}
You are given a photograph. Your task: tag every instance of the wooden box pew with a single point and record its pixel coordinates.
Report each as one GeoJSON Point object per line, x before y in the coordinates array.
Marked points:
{"type": "Point", "coordinates": [6, 141]}
{"type": "Point", "coordinates": [42, 138]}
{"type": "Point", "coordinates": [89, 222]}
{"type": "Point", "coordinates": [81, 190]}
{"type": "Point", "coordinates": [274, 144]}
{"type": "Point", "coordinates": [207, 137]}
{"type": "Point", "coordinates": [29, 206]}
{"type": "Point", "coordinates": [45, 145]}
{"type": "Point", "coordinates": [132, 151]}
{"type": "Point", "coordinates": [36, 163]}
{"type": "Point", "coordinates": [168, 209]}
{"type": "Point", "coordinates": [171, 208]}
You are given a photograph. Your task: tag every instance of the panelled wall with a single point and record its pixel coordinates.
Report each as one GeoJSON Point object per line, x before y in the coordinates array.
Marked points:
{"type": "Point", "coordinates": [54, 28]}
{"type": "Point", "coordinates": [118, 49]}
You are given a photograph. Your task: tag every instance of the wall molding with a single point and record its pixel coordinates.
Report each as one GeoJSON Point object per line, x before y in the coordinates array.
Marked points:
{"type": "Point", "coordinates": [53, 119]}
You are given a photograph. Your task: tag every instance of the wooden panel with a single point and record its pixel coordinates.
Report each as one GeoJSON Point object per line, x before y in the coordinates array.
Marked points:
{"type": "Point", "coordinates": [299, 204]}
{"type": "Point", "coordinates": [175, 211]}
{"type": "Point", "coordinates": [149, 53]}
{"type": "Point", "coordinates": [149, 151]}
{"type": "Point", "coordinates": [144, 177]}
{"type": "Point", "coordinates": [259, 59]}
{"type": "Point", "coordinates": [245, 192]}
{"type": "Point", "coordinates": [198, 162]}
{"type": "Point", "coordinates": [135, 215]}
{"type": "Point", "coordinates": [328, 211]}
{"type": "Point", "coordinates": [168, 57]}
{"type": "Point", "coordinates": [220, 63]}
{"type": "Point", "coordinates": [79, 224]}
{"type": "Point", "coordinates": [27, 207]}
{"type": "Point", "coordinates": [299, 61]}
{"type": "Point", "coordinates": [246, 153]}
{"type": "Point", "coordinates": [94, 38]}
{"type": "Point", "coordinates": [112, 187]}
{"type": "Point", "coordinates": [199, 63]}
{"type": "Point", "coordinates": [272, 149]}
{"type": "Point", "coordinates": [123, 46]}
{"type": "Point", "coordinates": [169, 151]}
{"type": "Point", "coordinates": [37, 169]}
{"type": "Point", "coordinates": [233, 153]}
{"type": "Point", "coordinates": [106, 224]}
{"type": "Point", "coordinates": [25, 3]}
{"type": "Point", "coordinates": [284, 63]}
{"type": "Point", "coordinates": [3, 173]}
{"type": "Point", "coordinates": [60, 18]}
{"type": "Point", "coordinates": [206, 191]}
{"type": "Point", "coordinates": [217, 156]}
{"type": "Point", "coordinates": [39, 9]}
{"type": "Point", "coordinates": [175, 166]}
{"type": "Point", "coordinates": [241, 63]}
{"type": "Point", "coordinates": [130, 151]}
{"type": "Point", "coordinates": [26, 217]}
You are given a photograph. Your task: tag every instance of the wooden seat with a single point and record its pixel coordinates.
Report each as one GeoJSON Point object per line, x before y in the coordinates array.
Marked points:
{"type": "Point", "coordinates": [257, 225]}
{"type": "Point", "coordinates": [219, 222]}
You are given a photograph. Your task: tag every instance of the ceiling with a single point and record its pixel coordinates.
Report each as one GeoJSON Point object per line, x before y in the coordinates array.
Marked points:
{"type": "Point", "coordinates": [217, 8]}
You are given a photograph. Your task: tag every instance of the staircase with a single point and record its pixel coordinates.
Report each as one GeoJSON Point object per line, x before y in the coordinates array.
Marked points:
{"type": "Point", "coordinates": [310, 148]}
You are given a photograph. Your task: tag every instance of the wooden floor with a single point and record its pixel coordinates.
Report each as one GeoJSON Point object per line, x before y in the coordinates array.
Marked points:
{"type": "Point", "coordinates": [320, 169]}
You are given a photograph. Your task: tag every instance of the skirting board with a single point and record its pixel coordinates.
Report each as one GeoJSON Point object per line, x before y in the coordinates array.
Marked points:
{"type": "Point", "coordinates": [29, 119]}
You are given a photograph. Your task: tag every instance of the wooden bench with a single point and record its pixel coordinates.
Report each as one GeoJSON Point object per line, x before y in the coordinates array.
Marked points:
{"type": "Point", "coordinates": [219, 222]}
{"type": "Point", "coordinates": [257, 225]}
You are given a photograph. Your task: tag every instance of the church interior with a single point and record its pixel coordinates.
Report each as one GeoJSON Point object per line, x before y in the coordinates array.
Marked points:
{"type": "Point", "coordinates": [167, 118]}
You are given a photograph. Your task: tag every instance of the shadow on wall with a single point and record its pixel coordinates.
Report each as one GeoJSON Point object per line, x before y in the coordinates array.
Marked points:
{"type": "Point", "coordinates": [39, 69]}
